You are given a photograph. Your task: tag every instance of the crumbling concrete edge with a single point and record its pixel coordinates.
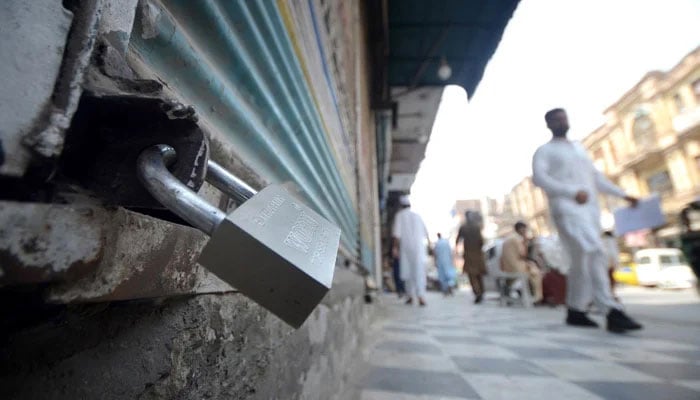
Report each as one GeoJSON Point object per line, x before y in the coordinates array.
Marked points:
{"type": "Point", "coordinates": [47, 139]}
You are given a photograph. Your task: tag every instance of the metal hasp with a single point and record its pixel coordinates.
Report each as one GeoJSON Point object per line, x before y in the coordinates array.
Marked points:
{"type": "Point", "coordinates": [272, 248]}
{"type": "Point", "coordinates": [153, 173]}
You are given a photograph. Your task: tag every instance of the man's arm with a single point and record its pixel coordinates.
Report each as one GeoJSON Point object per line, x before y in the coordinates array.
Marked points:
{"type": "Point", "coordinates": [604, 185]}
{"type": "Point", "coordinates": [542, 178]}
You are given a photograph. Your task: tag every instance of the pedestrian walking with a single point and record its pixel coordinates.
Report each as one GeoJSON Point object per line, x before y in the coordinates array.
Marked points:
{"type": "Point", "coordinates": [444, 264]}
{"type": "Point", "coordinates": [396, 274]}
{"type": "Point", "coordinates": [472, 246]}
{"type": "Point", "coordinates": [411, 243]}
{"type": "Point", "coordinates": [564, 171]}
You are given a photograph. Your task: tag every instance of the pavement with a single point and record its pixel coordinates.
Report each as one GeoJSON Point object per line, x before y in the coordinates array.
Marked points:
{"type": "Point", "coordinates": [453, 349]}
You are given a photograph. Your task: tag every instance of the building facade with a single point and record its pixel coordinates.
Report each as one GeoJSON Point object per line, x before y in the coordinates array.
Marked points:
{"type": "Point", "coordinates": [649, 144]}
{"type": "Point", "coordinates": [527, 202]}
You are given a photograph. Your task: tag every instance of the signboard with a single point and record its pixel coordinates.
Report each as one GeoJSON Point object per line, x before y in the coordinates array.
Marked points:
{"type": "Point", "coordinates": [647, 215]}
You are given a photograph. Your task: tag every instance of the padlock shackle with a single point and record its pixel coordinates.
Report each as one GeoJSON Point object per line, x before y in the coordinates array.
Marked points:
{"type": "Point", "coordinates": [153, 173]}
{"type": "Point", "coordinates": [228, 183]}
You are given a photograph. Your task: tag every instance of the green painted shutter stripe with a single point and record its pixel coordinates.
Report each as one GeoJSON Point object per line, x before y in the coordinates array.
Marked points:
{"type": "Point", "coordinates": [233, 62]}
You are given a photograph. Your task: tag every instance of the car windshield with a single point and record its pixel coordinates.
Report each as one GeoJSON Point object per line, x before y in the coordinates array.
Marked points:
{"type": "Point", "coordinates": [644, 260]}
{"type": "Point", "coordinates": [670, 260]}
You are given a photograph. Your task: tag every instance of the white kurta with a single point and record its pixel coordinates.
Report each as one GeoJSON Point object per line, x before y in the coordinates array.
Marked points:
{"type": "Point", "coordinates": [562, 168]}
{"type": "Point", "coordinates": [612, 251]}
{"type": "Point", "coordinates": [413, 235]}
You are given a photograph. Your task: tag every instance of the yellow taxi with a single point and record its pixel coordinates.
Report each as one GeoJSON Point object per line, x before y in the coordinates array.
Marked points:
{"type": "Point", "coordinates": [626, 273]}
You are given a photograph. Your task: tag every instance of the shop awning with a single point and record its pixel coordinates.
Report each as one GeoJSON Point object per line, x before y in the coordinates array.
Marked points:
{"type": "Point", "coordinates": [464, 34]}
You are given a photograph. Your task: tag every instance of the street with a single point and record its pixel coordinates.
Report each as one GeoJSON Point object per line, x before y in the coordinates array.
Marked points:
{"type": "Point", "coordinates": [453, 349]}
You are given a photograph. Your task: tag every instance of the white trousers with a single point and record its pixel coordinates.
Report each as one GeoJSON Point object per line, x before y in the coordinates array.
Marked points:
{"type": "Point", "coordinates": [587, 280]}
{"type": "Point", "coordinates": [415, 279]}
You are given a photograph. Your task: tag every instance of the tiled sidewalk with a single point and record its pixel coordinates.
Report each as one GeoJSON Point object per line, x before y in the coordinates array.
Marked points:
{"type": "Point", "coordinates": [455, 350]}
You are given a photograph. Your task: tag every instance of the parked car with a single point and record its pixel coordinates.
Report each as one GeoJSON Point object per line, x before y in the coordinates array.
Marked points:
{"type": "Point", "coordinates": [665, 268]}
{"type": "Point", "coordinates": [626, 274]}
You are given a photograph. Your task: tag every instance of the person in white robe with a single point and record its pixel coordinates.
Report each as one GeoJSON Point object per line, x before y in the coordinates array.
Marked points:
{"type": "Point", "coordinates": [411, 245]}
{"type": "Point", "coordinates": [567, 175]}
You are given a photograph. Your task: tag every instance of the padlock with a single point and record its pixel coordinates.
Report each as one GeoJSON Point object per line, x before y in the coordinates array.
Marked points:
{"type": "Point", "coordinates": [272, 248]}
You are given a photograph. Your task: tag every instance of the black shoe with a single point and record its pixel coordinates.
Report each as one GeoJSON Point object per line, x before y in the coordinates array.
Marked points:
{"type": "Point", "coordinates": [409, 301]}
{"type": "Point", "coordinates": [578, 318]}
{"type": "Point", "coordinates": [619, 322]}
{"type": "Point", "coordinates": [479, 299]}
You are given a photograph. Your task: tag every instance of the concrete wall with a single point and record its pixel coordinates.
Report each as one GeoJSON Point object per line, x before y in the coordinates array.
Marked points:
{"type": "Point", "coordinates": [198, 347]}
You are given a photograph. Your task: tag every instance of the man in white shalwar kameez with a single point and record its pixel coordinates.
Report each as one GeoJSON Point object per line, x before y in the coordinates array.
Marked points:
{"type": "Point", "coordinates": [564, 171]}
{"type": "Point", "coordinates": [411, 245]}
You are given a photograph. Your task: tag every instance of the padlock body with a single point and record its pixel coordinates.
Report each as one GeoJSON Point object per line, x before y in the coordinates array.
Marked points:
{"type": "Point", "coordinates": [276, 251]}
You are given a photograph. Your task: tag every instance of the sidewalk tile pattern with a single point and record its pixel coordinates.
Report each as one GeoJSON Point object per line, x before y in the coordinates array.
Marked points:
{"type": "Point", "coordinates": [454, 350]}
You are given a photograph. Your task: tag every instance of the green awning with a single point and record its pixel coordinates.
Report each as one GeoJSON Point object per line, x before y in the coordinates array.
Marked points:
{"type": "Point", "coordinates": [463, 32]}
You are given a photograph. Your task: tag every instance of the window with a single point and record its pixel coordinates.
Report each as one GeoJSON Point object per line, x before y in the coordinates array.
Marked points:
{"type": "Point", "coordinates": [672, 260]}
{"type": "Point", "coordinates": [666, 260]}
{"type": "Point", "coordinates": [678, 102]}
{"type": "Point", "coordinates": [645, 260]}
{"type": "Point", "coordinates": [660, 182]}
{"type": "Point", "coordinates": [643, 129]}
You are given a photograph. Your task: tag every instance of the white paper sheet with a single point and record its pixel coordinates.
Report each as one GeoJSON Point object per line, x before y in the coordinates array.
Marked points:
{"type": "Point", "coordinates": [647, 215]}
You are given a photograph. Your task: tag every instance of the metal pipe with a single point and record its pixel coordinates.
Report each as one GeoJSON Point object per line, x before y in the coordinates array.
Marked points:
{"type": "Point", "coordinates": [153, 173]}
{"type": "Point", "coordinates": [228, 183]}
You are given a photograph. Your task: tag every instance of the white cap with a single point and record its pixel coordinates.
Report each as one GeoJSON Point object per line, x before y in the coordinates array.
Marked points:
{"type": "Point", "coordinates": [404, 200]}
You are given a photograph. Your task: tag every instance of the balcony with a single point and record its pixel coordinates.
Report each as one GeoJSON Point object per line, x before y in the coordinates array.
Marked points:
{"type": "Point", "coordinates": [686, 121]}
{"type": "Point", "coordinates": [645, 157]}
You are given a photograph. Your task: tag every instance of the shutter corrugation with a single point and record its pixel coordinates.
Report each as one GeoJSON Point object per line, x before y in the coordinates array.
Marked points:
{"type": "Point", "coordinates": [235, 63]}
